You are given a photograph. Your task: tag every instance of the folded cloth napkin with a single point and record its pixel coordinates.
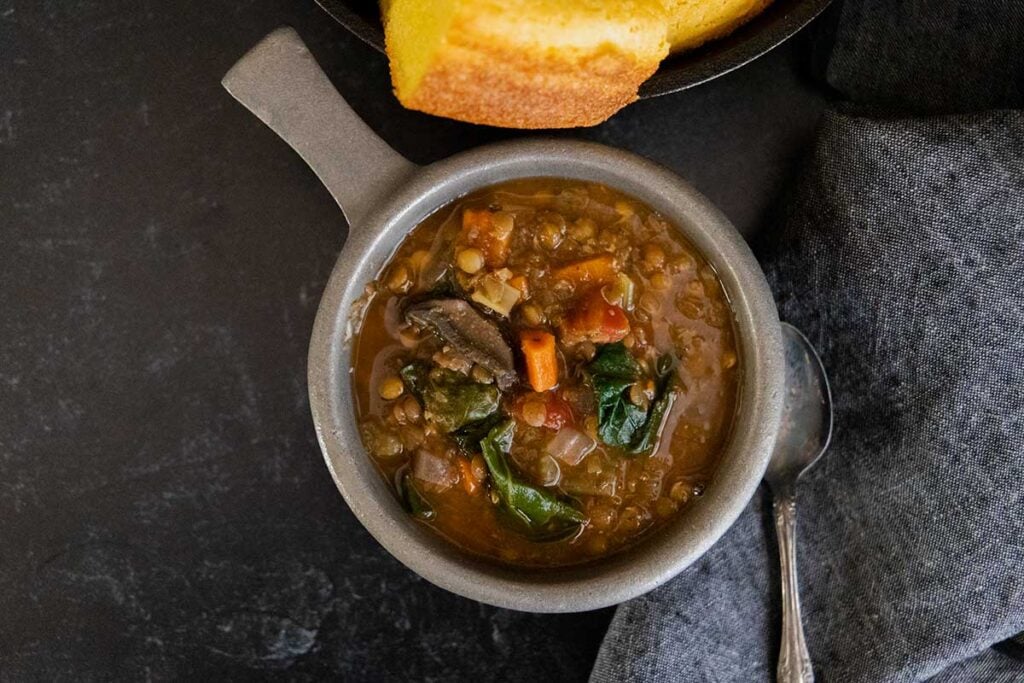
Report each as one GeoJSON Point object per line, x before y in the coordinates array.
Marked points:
{"type": "Point", "coordinates": [902, 258]}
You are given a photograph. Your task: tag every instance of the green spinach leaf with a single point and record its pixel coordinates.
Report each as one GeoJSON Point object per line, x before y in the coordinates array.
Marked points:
{"type": "Point", "coordinates": [665, 396]}
{"type": "Point", "coordinates": [612, 372]}
{"type": "Point", "coordinates": [620, 422]}
{"type": "Point", "coordinates": [469, 436]}
{"type": "Point", "coordinates": [618, 419]}
{"type": "Point", "coordinates": [615, 361]}
{"type": "Point", "coordinates": [453, 400]}
{"type": "Point", "coordinates": [540, 510]}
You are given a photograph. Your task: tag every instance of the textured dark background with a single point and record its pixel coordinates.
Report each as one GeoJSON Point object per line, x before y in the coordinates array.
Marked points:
{"type": "Point", "coordinates": [164, 510]}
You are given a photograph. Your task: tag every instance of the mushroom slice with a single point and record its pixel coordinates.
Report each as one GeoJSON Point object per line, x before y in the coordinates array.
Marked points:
{"type": "Point", "coordinates": [469, 333]}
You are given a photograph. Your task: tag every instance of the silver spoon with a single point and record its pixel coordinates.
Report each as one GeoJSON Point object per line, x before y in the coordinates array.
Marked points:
{"type": "Point", "coordinates": [803, 437]}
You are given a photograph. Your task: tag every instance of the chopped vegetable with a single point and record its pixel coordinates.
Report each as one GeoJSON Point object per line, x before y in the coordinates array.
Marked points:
{"type": "Point", "coordinates": [594, 319]}
{"type": "Point", "coordinates": [496, 294]}
{"type": "Point", "coordinates": [469, 436]}
{"type": "Point", "coordinates": [541, 359]}
{"type": "Point", "coordinates": [621, 422]}
{"type": "Point", "coordinates": [469, 333]}
{"type": "Point", "coordinates": [470, 483]}
{"type": "Point", "coordinates": [433, 470]}
{"type": "Point", "coordinates": [665, 396]}
{"type": "Point", "coordinates": [539, 509]}
{"type": "Point", "coordinates": [452, 400]}
{"type": "Point", "coordinates": [622, 292]}
{"type": "Point", "coordinates": [488, 231]}
{"type": "Point", "coordinates": [570, 446]}
{"type": "Point", "coordinates": [614, 360]}
{"type": "Point", "coordinates": [589, 271]}
{"type": "Point", "coordinates": [412, 500]}
{"type": "Point", "coordinates": [559, 413]}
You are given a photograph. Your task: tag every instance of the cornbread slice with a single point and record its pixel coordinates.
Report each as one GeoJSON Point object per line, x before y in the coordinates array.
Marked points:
{"type": "Point", "coordinates": [695, 22]}
{"type": "Point", "coordinates": [523, 63]}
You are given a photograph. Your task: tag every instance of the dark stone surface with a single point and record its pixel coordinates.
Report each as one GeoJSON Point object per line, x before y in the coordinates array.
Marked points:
{"type": "Point", "coordinates": [165, 510]}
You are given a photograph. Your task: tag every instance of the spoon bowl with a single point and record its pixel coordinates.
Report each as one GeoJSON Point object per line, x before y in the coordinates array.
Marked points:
{"type": "Point", "coordinates": [806, 427]}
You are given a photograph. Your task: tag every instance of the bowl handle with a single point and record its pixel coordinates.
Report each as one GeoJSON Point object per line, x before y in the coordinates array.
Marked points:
{"type": "Point", "coordinates": [279, 81]}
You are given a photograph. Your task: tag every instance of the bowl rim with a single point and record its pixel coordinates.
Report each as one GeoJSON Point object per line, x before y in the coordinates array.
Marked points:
{"type": "Point", "coordinates": [659, 556]}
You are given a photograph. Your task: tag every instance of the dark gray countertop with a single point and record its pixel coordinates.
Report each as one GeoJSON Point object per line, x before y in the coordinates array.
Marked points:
{"type": "Point", "coordinates": [165, 510]}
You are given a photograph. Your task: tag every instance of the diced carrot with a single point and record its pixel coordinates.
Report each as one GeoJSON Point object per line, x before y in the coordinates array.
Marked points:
{"type": "Point", "coordinates": [591, 270]}
{"type": "Point", "coordinates": [469, 480]}
{"type": "Point", "coordinates": [541, 360]}
{"type": "Point", "coordinates": [488, 231]}
{"type": "Point", "coordinates": [594, 319]}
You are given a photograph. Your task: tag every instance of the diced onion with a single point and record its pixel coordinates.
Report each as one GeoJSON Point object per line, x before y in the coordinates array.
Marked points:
{"type": "Point", "coordinates": [621, 293]}
{"type": "Point", "coordinates": [570, 446]}
{"type": "Point", "coordinates": [497, 295]}
{"type": "Point", "coordinates": [432, 469]}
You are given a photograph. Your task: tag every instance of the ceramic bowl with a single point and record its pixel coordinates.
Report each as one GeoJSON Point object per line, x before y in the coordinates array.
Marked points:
{"type": "Point", "coordinates": [384, 197]}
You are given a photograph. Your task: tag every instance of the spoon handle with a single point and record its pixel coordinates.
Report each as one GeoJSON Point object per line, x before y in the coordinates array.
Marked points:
{"type": "Point", "coordinates": [794, 661]}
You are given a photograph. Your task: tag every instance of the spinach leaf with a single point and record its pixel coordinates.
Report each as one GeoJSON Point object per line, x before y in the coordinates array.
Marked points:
{"type": "Point", "coordinates": [469, 436]}
{"type": "Point", "coordinates": [615, 361]}
{"type": "Point", "coordinates": [660, 407]}
{"type": "Point", "coordinates": [540, 510]}
{"type": "Point", "coordinates": [612, 372]}
{"type": "Point", "coordinates": [412, 500]}
{"type": "Point", "coordinates": [620, 422]}
{"type": "Point", "coordinates": [452, 399]}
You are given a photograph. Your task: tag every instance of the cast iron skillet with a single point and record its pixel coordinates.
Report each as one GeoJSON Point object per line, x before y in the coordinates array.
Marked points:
{"type": "Point", "coordinates": [780, 21]}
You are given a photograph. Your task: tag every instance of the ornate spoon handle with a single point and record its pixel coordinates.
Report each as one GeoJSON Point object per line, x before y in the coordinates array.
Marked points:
{"type": "Point", "coordinates": [794, 661]}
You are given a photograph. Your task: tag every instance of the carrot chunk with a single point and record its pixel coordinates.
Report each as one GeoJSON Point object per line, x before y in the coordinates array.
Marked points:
{"type": "Point", "coordinates": [541, 360]}
{"type": "Point", "coordinates": [469, 480]}
{"type": "Point", "coordinates": [594, 319]}
{"type": "Point", "coordinates": [591, 270]}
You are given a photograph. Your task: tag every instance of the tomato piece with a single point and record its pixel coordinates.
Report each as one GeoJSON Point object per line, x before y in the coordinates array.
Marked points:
{"type": "Point", "coordinates": [595, 320]}
{"type": "Point", "coordinates": [559, 413]}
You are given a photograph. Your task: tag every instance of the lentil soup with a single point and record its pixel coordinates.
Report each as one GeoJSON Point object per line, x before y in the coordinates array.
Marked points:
{"type": "Point", "coordinates": [545, 371]}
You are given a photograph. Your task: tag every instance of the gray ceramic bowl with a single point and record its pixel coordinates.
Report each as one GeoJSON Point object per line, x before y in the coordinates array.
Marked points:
{"type": "Point", "coordinates": [383, 197]}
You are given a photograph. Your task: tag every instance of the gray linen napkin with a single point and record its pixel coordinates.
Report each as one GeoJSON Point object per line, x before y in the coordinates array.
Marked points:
{"type": "Point", "coordinates": [901, 254]}
{"type": "Point", "coordinates": [930, 55]}
{"type": "Point", "coordinates": [902, 258]}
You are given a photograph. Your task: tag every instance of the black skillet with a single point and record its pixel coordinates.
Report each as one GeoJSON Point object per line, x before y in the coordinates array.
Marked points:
{"type": "Point", "coordinates": [777, 23]}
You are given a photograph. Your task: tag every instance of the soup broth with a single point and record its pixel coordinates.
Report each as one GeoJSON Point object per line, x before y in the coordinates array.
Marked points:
{"type": "Point", "coordinates": [545, 371]}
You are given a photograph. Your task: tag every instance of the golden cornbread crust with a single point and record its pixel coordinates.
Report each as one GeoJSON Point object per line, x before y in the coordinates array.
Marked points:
{"type": "Point", "coordinates": [480, 78]}
{"type": "Point", "coordinates": [508, 88]}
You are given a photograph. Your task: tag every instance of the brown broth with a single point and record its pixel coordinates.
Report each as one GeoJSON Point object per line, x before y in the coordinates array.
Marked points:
{"type": "Point", "coordinates": [680, 308]}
